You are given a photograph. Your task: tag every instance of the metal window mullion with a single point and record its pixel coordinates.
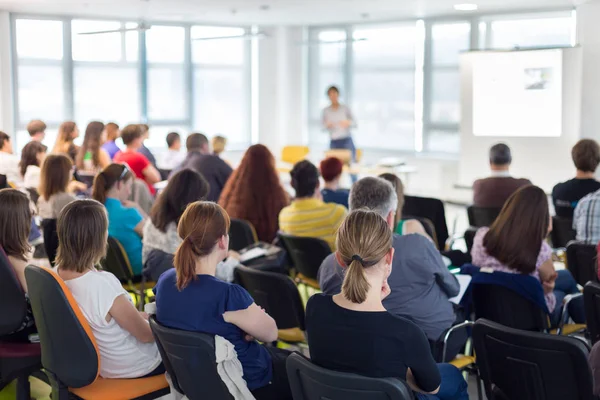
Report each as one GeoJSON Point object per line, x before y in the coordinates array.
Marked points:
{"type": "Point", "coordinates": [143, 76]}
{"type": "Point", "coordinates": [68, 85]}
{"type": "Point", "coordinates": [15, 79]}
{"type": "Point", "coordinates": [427, 83]}
{"type": "Point", "coordinates": [189, 82]}
{"type": "Point", "coordinates": [349, 65]}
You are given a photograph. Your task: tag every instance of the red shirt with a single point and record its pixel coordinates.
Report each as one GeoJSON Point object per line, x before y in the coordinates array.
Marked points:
{"type": "Point", "coordinates": [137, 163]}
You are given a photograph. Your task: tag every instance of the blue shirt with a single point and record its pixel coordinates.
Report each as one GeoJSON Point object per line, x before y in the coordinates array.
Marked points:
{"type": "Point", "coordinates": [121, 224]}
{"type": "Point", "coordinates": [336, 196]}
{"type": "Point", "coordinates": [200, 308]}
{"type": "Point", "coordinates": [111, 148]}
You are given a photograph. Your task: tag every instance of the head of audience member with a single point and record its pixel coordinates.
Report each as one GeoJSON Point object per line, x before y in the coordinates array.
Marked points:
{"type": "Point", "coordinates": [184, 188]}
{"type": "Point", "coordinates": [586, 157]}
{"type": "Point", "coordinates": [204, 229]}
{"type": "Point", "coordinates": [15, 223]}
{"type": "Point", "coordinates": [516, 235]}
{"type": "Point", "coordinates": [305, 180]}
{"type": "Point", "coordinates": [112, 132]}
{"type": "Point", "coordinates": [331, 171]}
{"type": "Point", "coordinates": [218, 144]}
{"type": "Point", "coordinates": [399, 188]}
{"type": "Point", "coordinates": [132, 136]}
{"type": "Point", "coordinates": [197, 142]}
{"type": "Point", "coordinates": [364, 248]}
{"type": "Point", "coordinates": [145, 131]}
{"type": "Point", "coordinates": [500, 157]}
{"type": "Point", "coordinates": [174, 141]}
{"type": "Point", "coordinates": [377, 195]}
{"type": "Point", "coordinates": [115, 181]}
{"type": "Point", "coordinates": [56, 173]}
{"type": "Point", "coordinates": [5, 143]}
{"type": "Point", "coordinates": [94, 137]}
{"type": "Point", "coordinates": [82, 229]}
{"type": "Point", "coordinates": [33, 153]}
{"type": "Point", "coordinates": [36, 130]}
{"type": "Point", "coordinates": [67, 133]}
{"type": "Point", "coordinates": [334, 95]}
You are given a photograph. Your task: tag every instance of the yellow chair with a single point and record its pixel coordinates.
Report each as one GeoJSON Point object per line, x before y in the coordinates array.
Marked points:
{"type": "Point", "coordinates": [294, 154]}
{"type": "Point", "coordinates": [344, 155]}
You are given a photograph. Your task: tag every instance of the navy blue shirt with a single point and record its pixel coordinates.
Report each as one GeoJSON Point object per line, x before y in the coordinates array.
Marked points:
{"type": "Point", "coordinates": [200, 308]}
{"type": "Point", "coordinates": [339, 196]}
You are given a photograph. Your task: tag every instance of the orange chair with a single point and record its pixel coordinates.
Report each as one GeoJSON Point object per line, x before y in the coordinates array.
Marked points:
{"type": "Point", "coordinates": [70, 355]}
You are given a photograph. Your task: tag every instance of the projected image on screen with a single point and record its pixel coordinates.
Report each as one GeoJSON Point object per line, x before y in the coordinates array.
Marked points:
{"type": "Point", "coordinates": [517, 93]}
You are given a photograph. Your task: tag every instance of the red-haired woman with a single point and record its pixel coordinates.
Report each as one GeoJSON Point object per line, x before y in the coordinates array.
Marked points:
{"type": "Point", "coordinates": [254, 193]}
{"type": "Point", "coordinates": [331, 171]}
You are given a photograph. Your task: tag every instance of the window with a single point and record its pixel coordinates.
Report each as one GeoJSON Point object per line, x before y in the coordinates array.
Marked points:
{"type": "Point", "coordinates": [40, 39]}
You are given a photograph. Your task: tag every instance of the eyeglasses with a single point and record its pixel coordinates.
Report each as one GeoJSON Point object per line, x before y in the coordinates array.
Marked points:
{"type": "Point", "coordinates": [124, 173]}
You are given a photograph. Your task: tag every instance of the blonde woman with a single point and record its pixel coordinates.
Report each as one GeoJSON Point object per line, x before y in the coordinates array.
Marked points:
{"type": "Point", "coordinates": [67, 133]}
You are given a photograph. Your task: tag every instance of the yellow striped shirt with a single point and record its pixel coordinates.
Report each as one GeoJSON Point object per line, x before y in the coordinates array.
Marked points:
{"type": "Point", "coordinates": [312, 218]}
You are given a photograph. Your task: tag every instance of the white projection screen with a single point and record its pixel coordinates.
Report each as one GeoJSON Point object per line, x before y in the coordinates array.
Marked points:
{"type": "Point", "coordinates": [517, 93]}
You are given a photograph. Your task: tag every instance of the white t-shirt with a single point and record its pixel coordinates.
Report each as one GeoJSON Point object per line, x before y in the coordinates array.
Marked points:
{"type": "Point", "coordinates": [32, 177]}
{"type": "Point", "coordinates": [9, 166]}
{"type": "Point", "coordinates": [171, 159]}
{"type": "Point", "coordinates": [121, 354]}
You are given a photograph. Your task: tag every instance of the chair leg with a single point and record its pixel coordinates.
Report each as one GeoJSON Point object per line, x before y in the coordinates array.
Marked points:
{"type": "Point", "coordinates": [23, 388]}
{"type": "Point", "coordinates": [479, 393]}
{"type": "Point", "coordinates": [59, 389]}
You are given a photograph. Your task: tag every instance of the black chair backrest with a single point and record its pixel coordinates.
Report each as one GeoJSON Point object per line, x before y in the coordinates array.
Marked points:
{"type": "Point", "coordinates": [311, 382]}
{"type": "Point", "coordinates": [189, 358]}
{"type": "Point", "coordinates": [433, 210]}
{"type": "Point", "coordinates": [306, 253]}
{"type": "Point", "coordinates": [519, 365]}
{"type": "Point", "coordinates": [241, 234]}
{"type": "Point", "coordinates": [13, 305]}
{"type": "Point", "coordinates": [591, 298]}
{"type": "Point", "coordinates": [504, 306]}
{"type": "Point", "coordinates": [3, 182]}
{"type": "Point", "coordinates": [482, 216]}
{"type": "Point", "coordinates": [50, 239]}
{"type": "Point", "coordinates": [470, 238]}
{"type": "Point", "coordinates": [164, 173]}
{"type": "Point", "coordinates": [581, 260]}
{"type": "Point", "coordinates": [276, 293]}
{"type": "Point", "coordinates": [427, 225]}
{"type": "Point", "coordinates": [562, 232]}
{"type": "Point", "coordinates": [68, 347]}
{"type": "Point", "coordinates": [116, 261]}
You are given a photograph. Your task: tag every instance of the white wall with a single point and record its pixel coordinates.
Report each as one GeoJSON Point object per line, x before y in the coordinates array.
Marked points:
{"type": "Point", "coordinates": [588, 34]}
{"type": "Point", "coordinates": [6, 105]}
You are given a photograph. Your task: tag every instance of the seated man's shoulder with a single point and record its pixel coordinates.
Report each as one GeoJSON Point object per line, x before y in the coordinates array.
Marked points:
{"type": "Point", "coordinates": [411, 243]}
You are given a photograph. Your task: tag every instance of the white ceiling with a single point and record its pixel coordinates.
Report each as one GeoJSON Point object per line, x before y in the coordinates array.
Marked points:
{"type": "Point", "coordinates": [289, 12]}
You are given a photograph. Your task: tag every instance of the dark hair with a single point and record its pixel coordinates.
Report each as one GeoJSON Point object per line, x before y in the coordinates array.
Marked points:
{"type": "Point", "coordinates": [261, 201]}
{"type": "Point", "coordinates": [195, 141]}
{"type": "Point", "coordinates": [515, 238]}
{"type": "Point", "coordinates": [82, 229]}
{"type": "Point", "coordinates": [172, 138]}
{"type": "Point", "coordinates": [15, 223]}
{"type": "Point", "coordinates": [331, 168]}
{"type": "Point", "coordinates": [185, 187]}
{"type": "Point", "coordinates": [399, 188]}
{"type": "Point", "coordinates": [333, 89]}
{"type": "Point", "coordinates": [305, 178]}
{"type": "Point", "coordinates": [202, 224]}
{"type": "Point", "coordinates": [29, 155]}
{"type": "Point", "coordinates": [35, 126]}
{"type": "Point", "coordinates": [130, 133]}
{"type": "Point", "coordinates": [92, 142]}
{"type": "Point", "coordinates": [586, 155]}
{"type": "Point", "coordinates": [112, 131]}
{"type": "Point", "coordinates": [500, 154]}
{"type": "Point", "coordinates": [3, 138]}
{"type": "Point", "coordinates": [55, 175]}
{"type": "Point", "coordinates": [106, 179]}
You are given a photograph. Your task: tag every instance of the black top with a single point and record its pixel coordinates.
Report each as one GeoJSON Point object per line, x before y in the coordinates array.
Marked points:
{"type": "Point", "coordinates": [566, 195]}
{"type": "Point", "coordinates": [373, 344]}
{"type": "Point", "coordinates": [214, 169]}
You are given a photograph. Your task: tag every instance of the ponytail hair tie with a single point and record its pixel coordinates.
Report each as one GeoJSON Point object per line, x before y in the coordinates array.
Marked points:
{"type": "Point", "coordinates": [358, 258]}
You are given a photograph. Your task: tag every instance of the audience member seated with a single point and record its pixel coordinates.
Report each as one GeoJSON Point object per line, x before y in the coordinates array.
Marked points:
{"type": "Point", "coordinates": [515, 243]}
{"type": "Point", "coordinates": [566, 195]}
{"type": "Point", "coordinates": [493, 192]}
{"type": "Point", "coordinates": [139, 164]}
{"type": "Point", "coordinates": [586, 219]}
{"type": "Point", "coordinates": [9, 162]}
{"type": "Point", "coordinates": [123, 336]}
{"type": "Point", "coordinates": [112, 134]}
{"type": "Point", "coordinates": [191, 298]}
{"type": "Point", "coordinates": [254, 193]}
{"type": "Point", "coordinates": [36, 130]}
{"type": "Point", "coordinates": [32, 157]}
{"type": "Point", "coordinates": [15, 223]}
{"type": "Point", "coordinates": [218, 144]}
{"type": "Point", "coordinates": [338, 326]}
{"type": "Point", "coordinates": [143, 149]}
{"type": "Point", "coordinates": [331, 171]}
{"type": "Point", "coordinates": [126, 220]}
{"type": "Point", "coordinates": [211, 167]}
{"type": "Point", "coordinates": [173, 157]}
{"type": "Point", "coordinates": [421, 284]}
{"type": "Point", "coordinates": [57, 173]}
{"type": "Point", "coordinates": [161, 239]}
{"type": "Point", "coordinates": [308, 215]}
{"type": "Point", "coordinates": [67, 133]}
{"type": "Point", "coordinates": [91, 158]}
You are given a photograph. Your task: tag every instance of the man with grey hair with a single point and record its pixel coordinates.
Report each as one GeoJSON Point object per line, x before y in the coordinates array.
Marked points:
{"type": "Point", "coordinates": [420, 281]}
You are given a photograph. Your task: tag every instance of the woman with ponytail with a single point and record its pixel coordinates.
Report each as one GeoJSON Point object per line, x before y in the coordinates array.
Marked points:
{"type": "Point", "coordinates": [397, 348]}
{"type": "Point", "coordinates": [192, 299]}
{"type": "Point", "coordinates": [126, 219]}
